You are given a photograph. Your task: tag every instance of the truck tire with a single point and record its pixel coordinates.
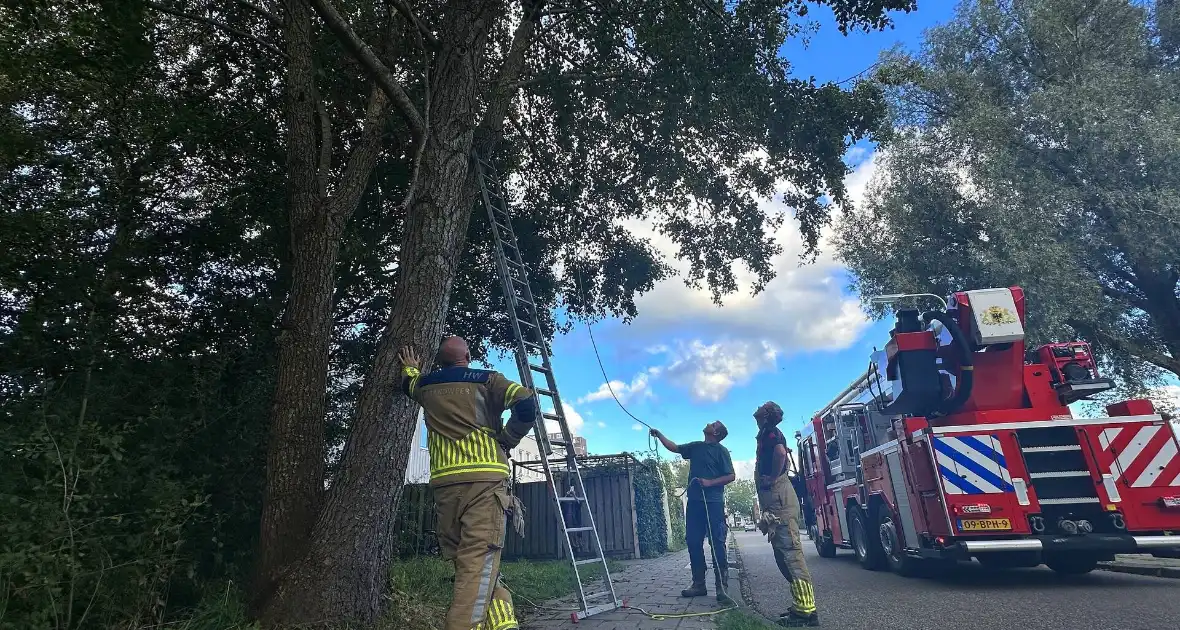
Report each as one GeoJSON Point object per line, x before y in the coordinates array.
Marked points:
{"type": "Point", "coordinates": [891, 546]}
{"type": "Point", "coordinates": [824, 545]}
{"type": "Point", "coordinates": [1072, 564]}
{"type": "Point", "coordinates": [866, 545]}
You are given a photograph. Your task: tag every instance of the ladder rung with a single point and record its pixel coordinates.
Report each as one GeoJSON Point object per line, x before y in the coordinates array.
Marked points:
{"type": "Point", "coordinates": [561, 443]}
{"type": "Point", "coordinates": [551, 416]}
{"type": "Point", "coordinates": [574, 530]}
{"type": "Point", "coordinates": [539, 368]}
{"type": "Point", "coordinates": [571, 499]}
{"type": "Point", "coordinates": [598, 594]}
{"type": "Point", "coordinates": [546, 392]}
{"type": "Point", "coordinates": [590, 561]}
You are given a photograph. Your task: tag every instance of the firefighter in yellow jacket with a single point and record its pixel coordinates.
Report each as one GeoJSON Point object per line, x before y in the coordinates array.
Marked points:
{"type": "Point", "coordinates": [468, 444]}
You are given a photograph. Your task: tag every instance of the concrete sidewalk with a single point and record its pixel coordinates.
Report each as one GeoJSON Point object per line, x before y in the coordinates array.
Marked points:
{"type": "Point", "coordinates": [653, 585]}
{"type": "Point", "coordinates": [1144, 564]}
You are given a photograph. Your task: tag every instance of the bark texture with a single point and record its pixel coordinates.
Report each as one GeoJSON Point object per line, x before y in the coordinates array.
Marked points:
{"type": "Point", "coordinates": [343, 573]}
{"type": "Point", "coordinates": [296, 447]}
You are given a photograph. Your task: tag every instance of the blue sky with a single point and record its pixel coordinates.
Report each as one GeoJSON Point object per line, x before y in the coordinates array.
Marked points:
{"type": "Point", "coordinates": [684, 362]}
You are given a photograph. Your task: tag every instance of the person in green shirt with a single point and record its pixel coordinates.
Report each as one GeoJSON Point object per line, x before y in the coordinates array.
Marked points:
{"type": "Point", "coordinates": [710, 468]}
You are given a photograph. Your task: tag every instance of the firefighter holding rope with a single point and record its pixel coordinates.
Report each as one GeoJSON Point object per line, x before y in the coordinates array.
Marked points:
{"type": "Point", "coordinates": [710, 468]}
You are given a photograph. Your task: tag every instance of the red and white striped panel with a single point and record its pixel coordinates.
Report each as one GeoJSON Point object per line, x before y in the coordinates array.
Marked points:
{"type": "Point", "coordinates": [1144, 455]}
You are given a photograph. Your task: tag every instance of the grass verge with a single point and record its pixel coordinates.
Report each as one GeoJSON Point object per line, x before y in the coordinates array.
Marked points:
{"type": "Point", "coordinates": [419, 595]}
{"type": "Point", "coordinates": [742, 620]}
{"type": "Point", "coordinates": [421, 588]}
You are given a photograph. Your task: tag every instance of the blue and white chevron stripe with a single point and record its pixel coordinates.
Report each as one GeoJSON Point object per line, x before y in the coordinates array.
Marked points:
{"type": "Point", "coordinates": [972, 464]}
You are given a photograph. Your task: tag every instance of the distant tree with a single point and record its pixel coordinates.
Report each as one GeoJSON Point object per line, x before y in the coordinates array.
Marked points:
{"type": "Point", "coordinates": [1035, 144]}
{"type": "Point", "coordinates": [679, 468]}
{"type": "Point", "coordinates": [740, 497]}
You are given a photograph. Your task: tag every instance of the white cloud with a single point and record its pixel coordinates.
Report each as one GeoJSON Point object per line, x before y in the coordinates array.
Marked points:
{"type": "Point", "coordinates": [709, 371]}
{"type": "Point", "coordinates": [638, 388]}
{"type": "Point", "coordinates": [636, 427]}
{"type": "Point", "coordinates": [572, 418]}
{"type": "Point", "coordinates": [802, 309]}
{"type": "Point", "coordinates": [744, 468]}
{"type": "Point", "coordinates": [601, 424]}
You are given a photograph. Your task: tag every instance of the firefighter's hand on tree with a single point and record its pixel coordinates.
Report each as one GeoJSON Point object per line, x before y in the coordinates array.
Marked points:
{"type": "Point", "coordinates": [408, 358]}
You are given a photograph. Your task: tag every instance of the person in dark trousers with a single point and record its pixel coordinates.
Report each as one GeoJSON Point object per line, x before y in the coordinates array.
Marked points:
{"type": "Point", "coordinates": [710, 468]}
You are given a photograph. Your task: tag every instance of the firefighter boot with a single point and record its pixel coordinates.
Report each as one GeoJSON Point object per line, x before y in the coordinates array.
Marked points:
{"type": "Point", "coordinates": [792, 619]}
{"type": "Point", "coordinates": [696, 590]}
{"type": "Point", "coordinates": [722, 584]}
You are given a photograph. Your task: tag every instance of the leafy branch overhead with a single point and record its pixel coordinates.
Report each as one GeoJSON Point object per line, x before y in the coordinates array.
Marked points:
{"type": "Point", "coordinates": [1036, 145]}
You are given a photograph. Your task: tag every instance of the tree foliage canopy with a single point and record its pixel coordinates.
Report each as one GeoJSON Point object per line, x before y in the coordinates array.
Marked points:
{"type": "Point", "coordinates": [1035, 144]}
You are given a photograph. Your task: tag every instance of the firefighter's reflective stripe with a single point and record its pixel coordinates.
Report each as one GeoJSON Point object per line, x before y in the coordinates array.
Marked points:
{"type": "Point", "coordinates": [501, 616]}
{"type": "Point", "coordinates": [803, 596]}
{"type": "Point", "coordinates": [414, 375]}
{"type": "Point", "coordinates": [510, 395]}
{"type": "Point", "coordinates": [478, 452]}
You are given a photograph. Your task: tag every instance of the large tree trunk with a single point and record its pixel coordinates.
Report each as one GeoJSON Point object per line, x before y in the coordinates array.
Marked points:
{"type": "Point", "coordinates": [296, 447]}
{"type": "Point", "coordinates": [344, 574]}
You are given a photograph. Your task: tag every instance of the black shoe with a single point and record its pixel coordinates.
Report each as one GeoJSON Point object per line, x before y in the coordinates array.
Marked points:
{"type": "Point", "coordinates": [696, 590]}
{"type": "Point", "coordinates": [724, 599]}
{"type": "Point", "coordinates": [792, 619]}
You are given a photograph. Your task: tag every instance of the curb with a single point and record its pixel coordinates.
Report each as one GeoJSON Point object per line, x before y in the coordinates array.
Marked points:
{"type": "Point", "coordinates": [1137, 569]}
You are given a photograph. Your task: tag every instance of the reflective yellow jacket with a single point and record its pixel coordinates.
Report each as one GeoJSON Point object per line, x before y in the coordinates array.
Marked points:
{"type": "Point", "coordinates": [466, 437]}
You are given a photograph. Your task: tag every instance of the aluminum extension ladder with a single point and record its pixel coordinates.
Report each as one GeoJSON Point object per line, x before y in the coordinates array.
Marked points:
{"type": "Point", "coordinates": [532, 356]}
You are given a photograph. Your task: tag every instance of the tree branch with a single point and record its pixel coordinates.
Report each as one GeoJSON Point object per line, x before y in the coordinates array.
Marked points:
{"type": "Point", "coordinates": [567, 76]}
{"type": "Point", "coordinates": [218, 25]}
{"type": "Point", "coordinates": [373, 66]}
{"type": "Point", "coordinates": [420, 147]}
{"type": "Point", "coordinates": [1133, 349]}
{"type": "Point", "coordinates": [1125, 297]}
{"type": "Point", "coordinates": [423, 32]}
{"type": "Point", "coordinates": [324, 168]}
{"type": "Point", "coordinates": [260, 10]}
{"type": "Point", "coordinates": [492, 126]}
{"type": "Point", "coordinates": [363, 156]}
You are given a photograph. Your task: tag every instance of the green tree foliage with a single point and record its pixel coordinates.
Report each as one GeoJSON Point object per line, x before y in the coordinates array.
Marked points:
{"type": "Point", "coordinates": [1035, 145]}
{"type": "Point", "coordinates": [172, 195]}
{"type": "Point", "coordinates": [740, 497]}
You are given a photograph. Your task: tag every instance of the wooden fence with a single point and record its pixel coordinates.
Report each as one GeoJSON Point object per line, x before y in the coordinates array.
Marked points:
{"type": "Point", "coordinates": [611, 494]}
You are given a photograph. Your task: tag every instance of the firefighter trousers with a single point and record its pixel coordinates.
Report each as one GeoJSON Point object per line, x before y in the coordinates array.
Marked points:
{"type": "Point", "coordinates": [780, 501]}
{"type": "Point", "coordinates": [472, 519]}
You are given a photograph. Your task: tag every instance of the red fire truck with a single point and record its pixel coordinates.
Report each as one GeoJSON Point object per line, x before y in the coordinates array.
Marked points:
{"type": "Point", "coordinates": [957, 443]}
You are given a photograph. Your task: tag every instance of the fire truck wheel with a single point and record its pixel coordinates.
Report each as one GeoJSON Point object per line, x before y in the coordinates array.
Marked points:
{"type": "Point", "coordinates": [867, 546]}
{"type": "Point", "coordinates": [1072, 564]}
{"type": "Point", "coordinates": [899, 562]}
{"type": "Point", "coordinates": [824, 545]}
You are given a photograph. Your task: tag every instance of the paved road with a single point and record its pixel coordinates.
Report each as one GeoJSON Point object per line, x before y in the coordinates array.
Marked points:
{"type": "Point", "coordinates": [969, 598]}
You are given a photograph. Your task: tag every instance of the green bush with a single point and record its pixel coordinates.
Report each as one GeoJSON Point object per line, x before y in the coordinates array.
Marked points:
{"type": "Point", "coordinates": [676, 511]}
{"type": "Point", "coordinates": [650, 514]}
